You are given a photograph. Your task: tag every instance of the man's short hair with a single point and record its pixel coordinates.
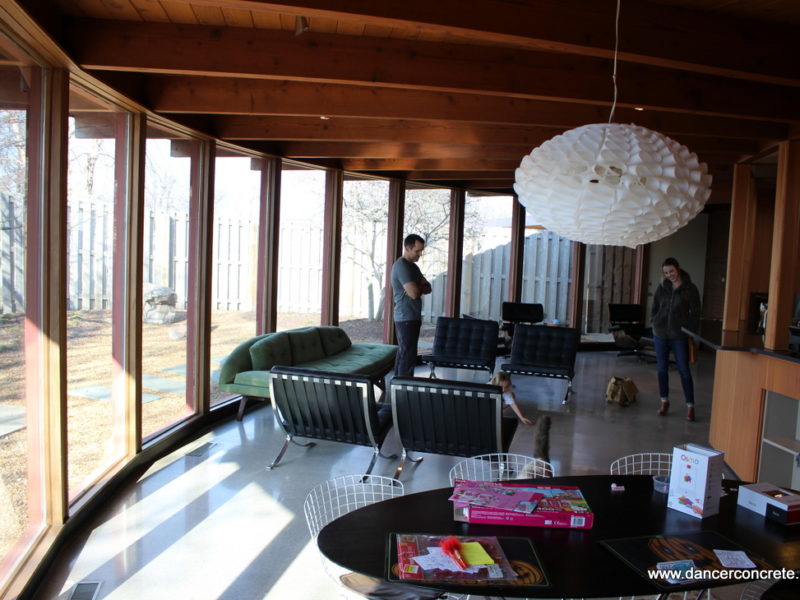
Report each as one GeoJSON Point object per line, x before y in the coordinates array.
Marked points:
{"type": "Point", "coordinates": [412, 239]}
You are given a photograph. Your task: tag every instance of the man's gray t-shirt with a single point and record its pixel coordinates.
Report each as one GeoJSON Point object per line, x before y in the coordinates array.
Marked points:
{"type": "Point", "coordinates": [405, 308]}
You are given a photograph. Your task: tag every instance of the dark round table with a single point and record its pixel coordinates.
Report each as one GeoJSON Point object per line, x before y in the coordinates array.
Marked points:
{"type": "Point", "coordinates": [575, 563]}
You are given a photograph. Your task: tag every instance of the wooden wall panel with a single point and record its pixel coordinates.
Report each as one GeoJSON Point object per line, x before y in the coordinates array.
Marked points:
{"type": "Point", "coordinates": [736, 410]}
{"type": "Point", "coordinates": [737, 413]}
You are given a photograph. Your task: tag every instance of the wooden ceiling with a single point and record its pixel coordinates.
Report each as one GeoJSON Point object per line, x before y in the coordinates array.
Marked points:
{"type": "Point", "coordinates": [451, 92]}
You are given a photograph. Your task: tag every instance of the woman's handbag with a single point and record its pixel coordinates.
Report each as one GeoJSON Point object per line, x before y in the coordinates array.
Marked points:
{"type": "Point", "coordinates": [692, 351]}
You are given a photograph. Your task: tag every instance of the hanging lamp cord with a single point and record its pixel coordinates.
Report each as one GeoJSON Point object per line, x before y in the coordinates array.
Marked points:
{"type": "Point", "coordinates": [614, 71]}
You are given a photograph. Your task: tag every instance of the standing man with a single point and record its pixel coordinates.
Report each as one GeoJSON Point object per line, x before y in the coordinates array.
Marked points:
{"type": "Point", "coordinates": [408, 286]}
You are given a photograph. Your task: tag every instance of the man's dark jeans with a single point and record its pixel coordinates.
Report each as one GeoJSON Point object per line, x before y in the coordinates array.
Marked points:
{"type": "Point", "coordinates": [407, 338]}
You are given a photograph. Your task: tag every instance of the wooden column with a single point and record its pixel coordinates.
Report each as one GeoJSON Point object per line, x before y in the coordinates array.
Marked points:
{"type": "Point", "coordinates": [785, 246]}
{"type": "Point", "coordinates": [268, 246]}
{"type": "Point", "coordinates": [45, 333]}
{"type": "Point", "coordinates": [740, 253]}
{"type": "Point", "coordinates": [198, 312]}
{"type": "Point", "coordinates": [394, 248]}
{"type": "Point", "coordinates": [517, 258]}
{"type": "Point", "coordinates": [332, 246]}
{"type": "Point", "coordinates": [577, 270]}
{"type": "Point", "coordinates": [127, 307]}
{"type": "Point", "coordinates": [455, 253]}
{"type": "Point", "coordinates": [640, 275]}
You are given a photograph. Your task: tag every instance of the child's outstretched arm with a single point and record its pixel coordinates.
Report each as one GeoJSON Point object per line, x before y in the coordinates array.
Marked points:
{"type": "Point", "coordinates": [519, 414]}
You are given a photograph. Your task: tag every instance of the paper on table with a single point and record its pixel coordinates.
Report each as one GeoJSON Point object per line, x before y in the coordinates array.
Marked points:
{"type": "Point", "coordinates": [475, 554]}
{"type": "Point", "coordinates": [437, 559]}
{"type": "Point", "coordinates": [734, 559]}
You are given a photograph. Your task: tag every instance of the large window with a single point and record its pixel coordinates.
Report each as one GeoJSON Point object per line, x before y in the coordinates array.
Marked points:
{"type": "Point", "coordinates": [608, 276]}
{"type": "Point", "coordinates": [428, 214]}
{"type": "Point", "coordinates": [487, 255]}
{"type": "Point", "coordinates": [362, 273]}
{"type": "Point", "coordinates": [546, 272]}
{"type": "Point", "coordinates": [95, 236]}
{"type": "Point", "coordinates": [21, 513]}
{"type": "Point", "coordinates": [165, 272]}
{"type": "Point", "coordinates": [234, 262]}
{"type": "Point", "coordinates": [302, 213]}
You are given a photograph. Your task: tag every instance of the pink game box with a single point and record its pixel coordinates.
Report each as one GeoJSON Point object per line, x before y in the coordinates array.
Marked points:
{"type": "Point", "coordinates": [555, 506]}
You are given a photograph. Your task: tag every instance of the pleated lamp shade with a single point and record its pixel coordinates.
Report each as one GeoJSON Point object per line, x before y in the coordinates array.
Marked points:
{"type": "Point", "coordinates": [612, 184]}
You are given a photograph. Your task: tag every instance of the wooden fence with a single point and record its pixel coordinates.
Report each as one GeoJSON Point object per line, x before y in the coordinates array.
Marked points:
{"type": "Point", "coordinates": [546, 276]}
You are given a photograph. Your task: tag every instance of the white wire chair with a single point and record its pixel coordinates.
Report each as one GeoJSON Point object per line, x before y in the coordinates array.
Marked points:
{"type": "Point", "coordinates": [500, 467]}
{"type": "Point", "coordinates": [643, 463]}
{"type": "Point", "coordinates": [338, 496]}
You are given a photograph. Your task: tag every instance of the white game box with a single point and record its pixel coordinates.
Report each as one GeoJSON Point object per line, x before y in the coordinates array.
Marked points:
{"type": "Point", "coordinates": [696, 480]}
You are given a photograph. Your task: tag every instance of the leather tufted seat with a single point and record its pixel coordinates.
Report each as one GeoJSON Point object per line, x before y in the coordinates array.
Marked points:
{"type": "Point", "coordinates": [544, 352]}
{"type": "Point", "coordinates": [463, 344]}
{"type": "Point", "coordinates": [455, 418]}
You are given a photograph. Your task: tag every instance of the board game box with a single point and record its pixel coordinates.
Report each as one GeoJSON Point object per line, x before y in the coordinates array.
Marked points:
{"type": "Point", "coordinates": [554, 506]}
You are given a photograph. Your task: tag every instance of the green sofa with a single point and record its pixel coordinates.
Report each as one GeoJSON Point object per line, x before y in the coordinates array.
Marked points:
{"type": "Point", "coordinates": [246, 370]}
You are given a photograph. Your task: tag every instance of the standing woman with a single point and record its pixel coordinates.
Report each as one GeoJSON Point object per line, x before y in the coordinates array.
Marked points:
{"type": "Point", "coordinates": [676, 304]}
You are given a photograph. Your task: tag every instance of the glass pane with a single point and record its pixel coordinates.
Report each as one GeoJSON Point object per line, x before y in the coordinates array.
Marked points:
{"type": "Point", "coordinates": [20, 449]}
{"type": "Point", "coordinates": [487, 255]}
{"type": "Point", "coordinates": [608, 275]}
{"type": "Point", "coordinates": [165, 278]}
{"type": "Point", "coordinates": [300, 275]}
{"type": "Point", "coordinates": [546, 272]}
{"type": "Point", "coordinates": [235, 251]}
{"type": "Point", "coordinates": [363, 267]}
{"type": "Point", "coordinates": [95, 413]}
{"type": "Point", "coordinates": [427, 214]}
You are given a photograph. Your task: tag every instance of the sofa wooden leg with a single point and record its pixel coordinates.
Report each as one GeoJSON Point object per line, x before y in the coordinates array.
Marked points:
{"type": "Point", "coordinates": [242, 406]}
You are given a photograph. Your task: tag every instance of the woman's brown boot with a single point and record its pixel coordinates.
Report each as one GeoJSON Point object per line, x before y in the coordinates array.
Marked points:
{"type": "Point", "coordinates": [690, 413]}
{"type": "Point", "coordinates": [664, 408]}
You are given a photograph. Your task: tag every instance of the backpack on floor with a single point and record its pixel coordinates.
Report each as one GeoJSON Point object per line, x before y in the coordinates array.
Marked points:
{"type": "Point", "coordinates": [621, 390]}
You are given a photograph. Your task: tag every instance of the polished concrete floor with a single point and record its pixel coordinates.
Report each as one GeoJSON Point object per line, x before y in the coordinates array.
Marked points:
{"type": "Point", "coordinates": [209, 522]}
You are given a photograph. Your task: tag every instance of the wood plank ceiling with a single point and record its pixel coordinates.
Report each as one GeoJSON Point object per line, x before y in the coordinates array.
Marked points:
{"type": "Point", "coordinates": [451, 92]}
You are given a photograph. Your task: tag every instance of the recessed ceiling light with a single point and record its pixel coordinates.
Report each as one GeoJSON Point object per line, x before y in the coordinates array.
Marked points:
{"type": "Point", "coordinates": [638, 108]}
{"type": "Point", "coordinates": [324, 118]}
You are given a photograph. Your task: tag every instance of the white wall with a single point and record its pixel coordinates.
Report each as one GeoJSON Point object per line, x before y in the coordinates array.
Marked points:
{"type": "Point", "coordinates": [688, 247]}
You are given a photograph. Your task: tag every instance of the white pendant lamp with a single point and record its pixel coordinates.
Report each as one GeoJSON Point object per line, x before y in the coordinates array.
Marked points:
{"type": "Point", "coordinates": [612, 184]}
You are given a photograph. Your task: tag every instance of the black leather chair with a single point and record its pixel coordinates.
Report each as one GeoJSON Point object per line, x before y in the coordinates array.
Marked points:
{"type": "Point", "coordinates": [627, 327]}
{"type": "Point", "coordinates": [516, 313]}
{"type": "Point", "coordinates": [449, 417]}
{"type": "Point", "coordinates": [544, 352]}
{"type": "Point", "coordinates": [328, 406]}
{"type": "Point", "coordinates": [463, 344]}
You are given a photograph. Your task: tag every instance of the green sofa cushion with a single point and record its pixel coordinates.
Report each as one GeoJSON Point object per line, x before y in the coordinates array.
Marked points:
{"type": "Point", "coordinates": [254, 378]}
{"type": "Point", "coordinates": [334, 340]}
{"type": "Point", "coordinates": [358, 359]}
{"type": "Point", "coordinates": [306, 345]}
{"type": "Point", "coordinates": [272, 349]}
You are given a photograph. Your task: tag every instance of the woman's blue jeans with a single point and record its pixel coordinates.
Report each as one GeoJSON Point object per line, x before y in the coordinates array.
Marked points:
{"type": "Point", "coordinates": [680, 349]}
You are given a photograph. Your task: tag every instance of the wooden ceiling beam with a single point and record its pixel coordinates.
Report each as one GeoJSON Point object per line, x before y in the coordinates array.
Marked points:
{"type": "Point", "coordinates": [367, 130]}
{"type": "Point", "coordinates": [345, 150]}
{"type": "Point", "coordinates": [428, 164]}
{"type": "Point", "coordinates": [651, 34]}
{"type": "Point", "coordinates": [193, 94]}
{"type": "Point", "coordinates": [332, 58]}
{"type": "Point", "coordinates": [421, 132]}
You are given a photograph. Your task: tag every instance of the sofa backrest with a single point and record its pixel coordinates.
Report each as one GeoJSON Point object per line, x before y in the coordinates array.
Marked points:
{"type": "Point", "coordinates": [271, 349]}
{"type": "Point", "coordinates": [306, 344]}
{"type": "Point", "coordinates": [334, 340]}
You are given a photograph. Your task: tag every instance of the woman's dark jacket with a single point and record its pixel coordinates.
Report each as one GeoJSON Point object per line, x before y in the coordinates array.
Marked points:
{"type": "Point", "coordinates": [675, 308]}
